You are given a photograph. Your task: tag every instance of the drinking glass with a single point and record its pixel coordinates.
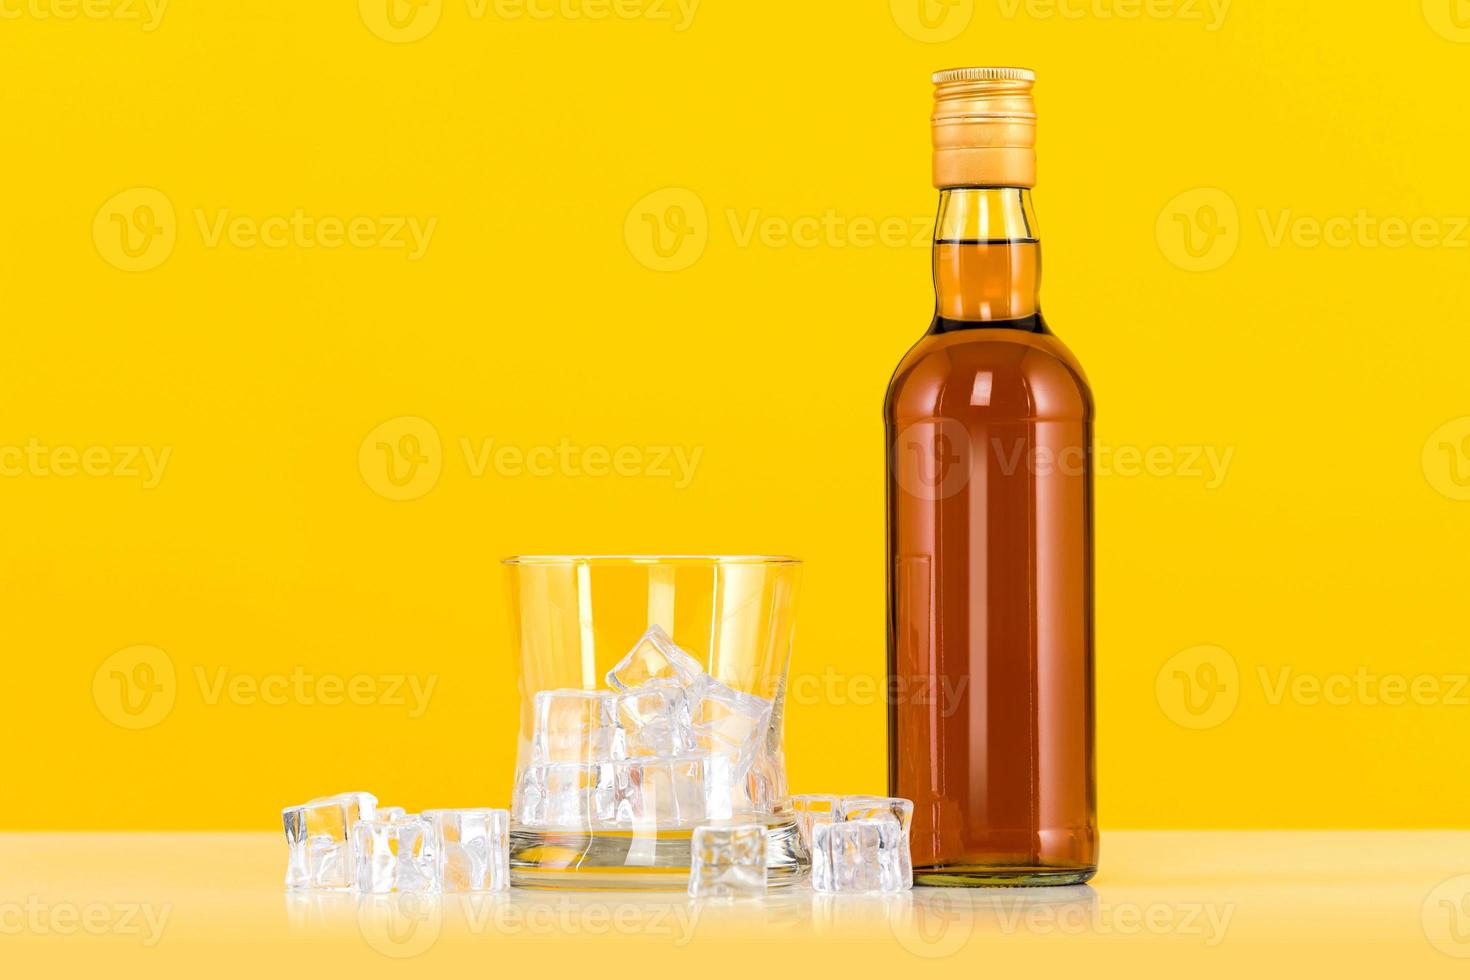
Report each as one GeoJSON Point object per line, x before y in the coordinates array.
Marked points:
{"type": "Point", "coordinates": [574, 617]}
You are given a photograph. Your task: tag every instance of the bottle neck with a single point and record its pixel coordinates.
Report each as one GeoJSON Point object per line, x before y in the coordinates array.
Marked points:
{"type": "Point", "coordinates": [987, 256]}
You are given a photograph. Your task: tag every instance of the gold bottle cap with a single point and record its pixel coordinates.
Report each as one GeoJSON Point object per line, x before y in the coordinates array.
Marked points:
{"type": "Point", "coordinates": [984, 128]}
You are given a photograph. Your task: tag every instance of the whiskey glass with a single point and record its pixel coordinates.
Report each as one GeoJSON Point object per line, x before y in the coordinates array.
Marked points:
{"type": "Point", "coordinates": [575, 618]}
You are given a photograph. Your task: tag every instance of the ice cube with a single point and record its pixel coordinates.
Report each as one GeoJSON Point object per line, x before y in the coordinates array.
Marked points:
{"type": "Point", "coordinates": [651, 721]}
{"type": "Point", "coordinates": [568, 795]}
{"type": "Point", "coordinates": [763, 784]}
{"type": "Point", "coordinates": [655, 657]}
{"type": "Point", "coordinates": [719, 785]}
{"type": "Point", "coordinates": [394, 856]}
{"type": "Point", "coordinates": [728, 862]}
{"type": "Point", "coordinates": [679, 791]}
{"type": "Point", "coordinates": [894, 861]}
{"type": "Point", "coordinates": [731, 723]}
{"type": "Point", "coordinates": [527, 804]}
{"type": "Point", "coordinates": [572, 725]}
{"type": "Point", "coordinates": [846, 855]}
{"type": "Point", "coordinates": [319, 839]}
{"type": "Point", "coordinates": [659, 794]}
{"type": "Point", "coordinates": [812, 809]}
{"type": "Point", "coordinates": [470, 849]}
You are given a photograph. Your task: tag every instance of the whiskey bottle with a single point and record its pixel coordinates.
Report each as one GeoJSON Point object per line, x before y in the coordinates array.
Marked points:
{"type": "Point", "coordinates": [990, 574]}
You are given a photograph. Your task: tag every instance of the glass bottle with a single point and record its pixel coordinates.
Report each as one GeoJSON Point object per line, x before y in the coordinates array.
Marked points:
{"type": "Point", "coordinates": [990, 616]}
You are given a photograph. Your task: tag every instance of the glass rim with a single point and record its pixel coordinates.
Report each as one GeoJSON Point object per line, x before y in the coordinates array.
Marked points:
{"type": "Point", "coordinates": [651, 560]}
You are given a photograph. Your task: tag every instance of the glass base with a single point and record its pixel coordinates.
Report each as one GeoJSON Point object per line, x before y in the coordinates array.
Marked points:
{"type": "Point", "coordinates": [630, 860]}
{"type": "Point", "coordinates": [996, 876]}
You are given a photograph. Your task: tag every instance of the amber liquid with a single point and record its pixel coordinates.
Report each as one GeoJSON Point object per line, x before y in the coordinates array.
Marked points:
{"type": "Point", "coordinates": [990, 643]}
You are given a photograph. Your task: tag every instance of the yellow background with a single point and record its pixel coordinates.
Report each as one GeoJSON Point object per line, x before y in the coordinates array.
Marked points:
{"type": "Point", "coordinates": [1335, 541]}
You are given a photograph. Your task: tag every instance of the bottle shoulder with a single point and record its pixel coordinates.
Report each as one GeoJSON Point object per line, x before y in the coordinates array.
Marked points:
{"type": "Point", "coordinates": [992, 371]}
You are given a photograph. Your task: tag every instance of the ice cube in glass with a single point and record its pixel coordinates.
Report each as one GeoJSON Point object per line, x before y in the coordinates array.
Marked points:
{"type": "Point", "coordinates": [655, 657]}
{"type": "Point", "coordinates": [730, 722]}
{"type": "Point", "coordinates": [568, 795]}
{"type": "Point", "coordinates": [572, 725]}
{"type": "Point", "coordinates": [678, 791]}
{"type": "Point", "coordinates": [651, 721]}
